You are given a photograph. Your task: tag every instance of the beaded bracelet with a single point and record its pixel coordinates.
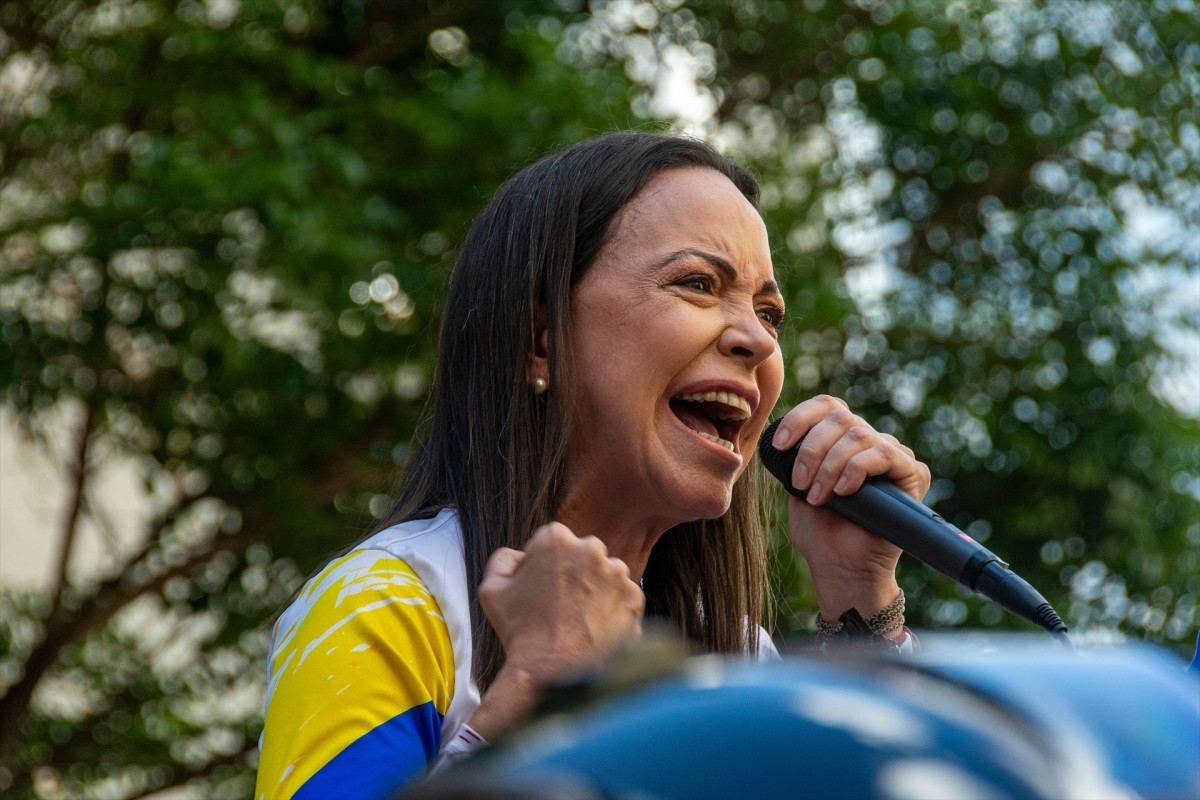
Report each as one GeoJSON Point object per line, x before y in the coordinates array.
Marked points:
{"type": "Point", "coordinates": [880, 626]}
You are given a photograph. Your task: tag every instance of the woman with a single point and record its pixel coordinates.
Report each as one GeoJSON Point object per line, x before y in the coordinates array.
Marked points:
{"type": "Point", "coordinates": [608, 360]}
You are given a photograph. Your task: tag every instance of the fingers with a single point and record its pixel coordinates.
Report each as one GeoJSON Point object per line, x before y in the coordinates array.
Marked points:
{"type": "Point", "coordinates": [592, 561]}
{"type": "Point", "coordinates": [498, 574]}
{"type": "Point", "coordinates": [503, 563]}
{"type": "Point", "coordinates": [796, 423]}
{"type": "Point", "coordinates": [839, 450]}
{"type": "Point", "coordinates": [561, 605]}
{"type": "Point", "coordinates": [579, 555]}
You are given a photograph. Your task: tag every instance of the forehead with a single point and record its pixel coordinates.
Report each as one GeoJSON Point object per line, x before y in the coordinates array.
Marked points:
{"type": "Point", "coordinates": [693, 208]}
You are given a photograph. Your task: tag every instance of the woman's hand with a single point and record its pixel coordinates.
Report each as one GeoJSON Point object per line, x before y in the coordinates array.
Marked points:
{"type": "Point", "coordinates": [561, 607]}
{"type": "Point", "coordinates": [850, 567]}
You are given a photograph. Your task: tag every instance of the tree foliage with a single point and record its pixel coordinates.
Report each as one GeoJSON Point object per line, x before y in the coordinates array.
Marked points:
{"type": "Point", "coordinates": [225, 228]}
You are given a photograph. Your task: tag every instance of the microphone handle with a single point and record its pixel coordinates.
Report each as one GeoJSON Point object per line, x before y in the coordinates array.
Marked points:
{"type": "Point", "coordinates": [883, 509]}
{"type": "Point", "coordinates": [890, 513]}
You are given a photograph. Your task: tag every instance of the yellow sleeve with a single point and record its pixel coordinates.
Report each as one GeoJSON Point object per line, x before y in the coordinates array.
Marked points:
{"type": "Point", "coordinates": [361, 674]}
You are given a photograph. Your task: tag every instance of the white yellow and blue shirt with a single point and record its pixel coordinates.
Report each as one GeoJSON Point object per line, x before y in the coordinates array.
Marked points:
{"type": "Point", "coordinates": [369, 673]}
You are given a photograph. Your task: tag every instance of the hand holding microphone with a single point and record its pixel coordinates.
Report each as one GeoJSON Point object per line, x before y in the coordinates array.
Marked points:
{"type": "Point", "coordinates": [888, 512]}
{"type": "Point", "coordinates": [827, 451]}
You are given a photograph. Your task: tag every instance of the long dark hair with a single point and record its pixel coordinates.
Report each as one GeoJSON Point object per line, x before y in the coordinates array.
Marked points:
{"type": "Point", "coordinates": [494, 450]}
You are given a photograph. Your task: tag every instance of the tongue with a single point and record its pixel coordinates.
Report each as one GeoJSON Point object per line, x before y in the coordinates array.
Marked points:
{"type": "Point", "coordinates": [692, 418]}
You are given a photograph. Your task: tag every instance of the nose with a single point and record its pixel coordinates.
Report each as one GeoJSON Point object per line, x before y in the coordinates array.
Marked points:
{"type": "Point", "coordinates": [746, 337]}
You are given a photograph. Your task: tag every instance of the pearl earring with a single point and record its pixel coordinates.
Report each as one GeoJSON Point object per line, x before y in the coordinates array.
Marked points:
{"type": "Point", "coordinates": [540, 385]}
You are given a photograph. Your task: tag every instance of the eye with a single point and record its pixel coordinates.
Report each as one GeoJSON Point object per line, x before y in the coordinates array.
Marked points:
{"type": "Point", "coordinates": [772, 315]}
{"type": "Point", "coordinates": [699, 283]}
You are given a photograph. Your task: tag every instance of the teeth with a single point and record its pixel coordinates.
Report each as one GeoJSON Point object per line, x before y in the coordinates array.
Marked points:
{"type": "Point", "coordinates": [723, 442]}
{"type": "Point", "coordinates": [737, 407]}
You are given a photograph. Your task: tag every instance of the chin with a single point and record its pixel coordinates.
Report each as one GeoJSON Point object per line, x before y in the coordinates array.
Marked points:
{"type": "Point", "coordinates": [707, 505]}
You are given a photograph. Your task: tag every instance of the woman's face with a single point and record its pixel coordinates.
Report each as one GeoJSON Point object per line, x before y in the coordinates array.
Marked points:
{"type": "Point", "coordinates": [676, 350]}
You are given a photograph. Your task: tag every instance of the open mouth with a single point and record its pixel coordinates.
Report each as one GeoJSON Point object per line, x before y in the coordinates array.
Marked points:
{"type": "Point", "coordinates": [716, 416]}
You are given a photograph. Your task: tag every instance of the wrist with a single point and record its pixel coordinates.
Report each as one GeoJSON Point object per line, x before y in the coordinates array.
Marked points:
{"type": "Point", "coordinates": [507, 702]}
{"type": "Point", "coordinates": [837, 593]}
{"type": "Point", "coordinates": [884, 627]}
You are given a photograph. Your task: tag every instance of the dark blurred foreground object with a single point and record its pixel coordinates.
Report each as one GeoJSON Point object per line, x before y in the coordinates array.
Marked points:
{"type": "Point", "coordinates": [968, 718]}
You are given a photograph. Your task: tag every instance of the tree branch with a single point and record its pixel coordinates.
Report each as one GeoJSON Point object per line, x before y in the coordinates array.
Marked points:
{"type": "Point", "coordinates": [159, 524]}
{"type": "Point", "coordinates": [182, 778]}
{"type": "Point", "coordinates": [100, 518]}
{"type": "Point", "coordinates": [78, 473]}
{"type": "Point", "coordinates": [68, 627]}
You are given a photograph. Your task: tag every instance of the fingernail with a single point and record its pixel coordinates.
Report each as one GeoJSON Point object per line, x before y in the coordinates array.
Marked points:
{"type": "Point", "coordinates": [801, 476]}
{"type": "Point", "coordinates": [840, 486]}
{"type": "Point", "coordinates": [814, 492]}
{"type": "Point", "coordinates": [781, 436]}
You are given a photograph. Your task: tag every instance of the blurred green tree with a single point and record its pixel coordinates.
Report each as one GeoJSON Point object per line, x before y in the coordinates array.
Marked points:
{"type": "Point", "coordinates": [225, 226]}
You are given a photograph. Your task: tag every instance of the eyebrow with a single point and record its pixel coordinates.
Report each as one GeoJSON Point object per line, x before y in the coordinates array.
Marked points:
{"type": "Point", "coordinates": [727, 269]}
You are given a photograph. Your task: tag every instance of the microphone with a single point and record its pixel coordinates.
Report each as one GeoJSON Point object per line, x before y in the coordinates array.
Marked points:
{"type": "Point", "coordinates": [890, 513]}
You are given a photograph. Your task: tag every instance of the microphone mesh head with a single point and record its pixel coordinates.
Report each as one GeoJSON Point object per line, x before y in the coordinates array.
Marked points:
{"type": "Point", "coordinates": [778, 462]}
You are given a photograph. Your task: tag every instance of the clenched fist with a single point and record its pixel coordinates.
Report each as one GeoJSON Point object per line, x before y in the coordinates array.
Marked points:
{"type": "Point", "coordinates": [561, 606]}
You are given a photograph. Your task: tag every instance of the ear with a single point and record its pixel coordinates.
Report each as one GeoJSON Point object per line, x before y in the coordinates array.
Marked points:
{"type": "Point", "coordinates": [539, 356]}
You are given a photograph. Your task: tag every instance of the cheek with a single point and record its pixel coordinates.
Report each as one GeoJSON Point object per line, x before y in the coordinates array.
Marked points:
{"type": "Point", "coordinates": [770, 384]}
{"type": "Point", "coordinates": [771, 380]}
{"type": "Point", "coordinates": [605, 371]}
